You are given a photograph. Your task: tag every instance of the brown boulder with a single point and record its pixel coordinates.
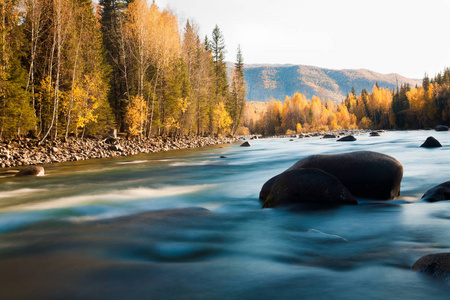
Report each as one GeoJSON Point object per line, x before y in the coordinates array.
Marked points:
{"type": "Point", "coordinates": [31, 171]}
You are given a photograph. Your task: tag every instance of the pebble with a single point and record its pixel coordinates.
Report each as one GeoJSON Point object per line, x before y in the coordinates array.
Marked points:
{"type": "Point", "coordinates": [27, 152]}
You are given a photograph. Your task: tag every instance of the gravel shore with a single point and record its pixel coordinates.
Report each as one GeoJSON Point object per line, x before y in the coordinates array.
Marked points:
{"type": "Point", "coordinates": [27, 152]}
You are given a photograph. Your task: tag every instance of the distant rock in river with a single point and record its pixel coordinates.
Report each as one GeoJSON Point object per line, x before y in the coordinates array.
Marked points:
{"type": "Point", "coordinates": [348, 138]}
{"type": "Point", "coordinates": [431, 142]}
{"type": "Point", "coordinates": [441, 128]}
{"type": "Point", "coordinates": [246, 144]}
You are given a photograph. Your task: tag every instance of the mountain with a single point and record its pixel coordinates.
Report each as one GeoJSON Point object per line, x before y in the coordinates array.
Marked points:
{"type": "Point", "coordinates": [265, 82]}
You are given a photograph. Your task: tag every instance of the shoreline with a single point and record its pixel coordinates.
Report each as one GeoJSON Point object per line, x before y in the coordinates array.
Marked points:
{"type": "Point", "coordinates": [27, 152]}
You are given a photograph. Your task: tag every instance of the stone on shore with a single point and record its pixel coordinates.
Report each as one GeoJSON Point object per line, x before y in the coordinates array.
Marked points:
{"type": "Point", "coordinates": [438, 193]}
{"type": "Point", "coordinates": [348, 138]}
{"type": "Point", "coordinates": [441, 128]}
{"type": "Point", "coordinates": [436, 265]}
{"type": "Point", "coordinates": [365, 174]}
{"type": "Point", "coordinates": [310, 186]}
{"type": "Point", "coordinates": [431, 142]}
{"type": "Point", "coordinates": [31, 171]}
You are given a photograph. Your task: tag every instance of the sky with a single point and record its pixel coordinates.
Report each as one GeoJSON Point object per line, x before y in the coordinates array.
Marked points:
{"type": "Point", "coordinates": [408, 37]}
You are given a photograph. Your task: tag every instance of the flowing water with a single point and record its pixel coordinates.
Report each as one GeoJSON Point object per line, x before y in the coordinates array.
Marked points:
{"type": "Point", "coordinates": [188, 225]}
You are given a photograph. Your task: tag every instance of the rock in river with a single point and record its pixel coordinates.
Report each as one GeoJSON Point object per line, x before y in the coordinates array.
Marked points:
{"type": "Point", "coordinates": [441, 128]}
{"type": "Point", "coordinates": [365, 174]}
{"type": "Point", "coordinates": [307, 186]}
{"type": "Point", "coordinates": [31, 171]}
{"type": "Point", "coordinates": [246, 144]}
{"type": "Point", "coordinates": [436, 265]}
{"type": "Point", "coordinates": [348, 138]}
{"type": "Point", "coordinates": [438, 193]}
{"type": "Point", "coordinates": [431, 142]}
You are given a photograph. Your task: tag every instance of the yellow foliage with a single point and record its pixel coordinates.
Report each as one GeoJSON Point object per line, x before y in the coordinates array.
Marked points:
{"type": "Point", "coordinates": [135, 115]}
{"type": "Point", "coordinates": [222, 119]}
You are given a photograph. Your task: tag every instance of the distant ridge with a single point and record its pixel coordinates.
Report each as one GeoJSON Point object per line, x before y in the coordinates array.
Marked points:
{"type": "Point", "coordinates": [265, 81]}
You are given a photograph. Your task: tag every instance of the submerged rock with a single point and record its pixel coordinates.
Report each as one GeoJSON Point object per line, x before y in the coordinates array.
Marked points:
{"type": "Point", "coordinates": [431, 142]}
{"type": "Point", "coordinates": [438, 193]}
{"type": "Point", "coordinates": [365, 174]}
{"type": "Point", "coordinates": [246, 144]}
{"type": "Point", "coordinates": [31, 171]}
{"type": "Point", "coordinates": [330, 136]}
{"type": "Point", "coordinates": [436, 265]}
{"type": "Point", "coordinates": [348, 138]}
{"type": "Point", "coordinates": [307, 186]}
{"type": "Point", "coordinates": [441, 128]}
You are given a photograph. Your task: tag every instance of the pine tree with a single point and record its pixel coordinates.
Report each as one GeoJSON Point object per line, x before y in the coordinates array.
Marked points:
{"type": "Point", "coordinates": [217, 45]}
{"type": "Point", "coordinates": [112, 27]}
{"type": "Point", "coordinates": [16, 114]}
{"type": "Point", "coordinates": [237, 100]}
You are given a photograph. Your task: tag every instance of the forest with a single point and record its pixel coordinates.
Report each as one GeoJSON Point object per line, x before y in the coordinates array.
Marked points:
{"type": "Point", "coordinates": [404, 107]}
{"type": "Point", "coordinates": [78, 68]}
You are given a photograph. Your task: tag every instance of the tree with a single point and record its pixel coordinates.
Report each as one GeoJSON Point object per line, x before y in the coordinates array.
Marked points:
{"type": "Point", "coordinates": [217, 46]}
{"type": "Point", "coordinates": [113, 34]}
{"type": "Point", "coordinates": [16, 115]}
{"type": "Point", "coordinates": [237, 100]}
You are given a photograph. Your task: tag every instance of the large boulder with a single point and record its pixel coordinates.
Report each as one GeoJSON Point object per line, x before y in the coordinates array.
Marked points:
{"type": "Point", "coordinates": [438, 193]}
{"type": "Point", "coordinates": [311, 186]}
{"type": "Point", "coordinates": [441, 128]}
{"type": "Point", "coordinates": [31, 171]}
{"type": "Point", "coordinates": [365, 174]}
{"type": "Point", "coordinates": [348, 138]}
{"type": "Point", "coordinates": [436, 265]}
{"type": "Point", "coordinates": [431, 142]}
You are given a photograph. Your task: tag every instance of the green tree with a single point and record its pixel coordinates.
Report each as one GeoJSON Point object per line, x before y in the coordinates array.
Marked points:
{"type": "Point", "coordinates": [217, 46]}
{"type": "Point", "coordinates": [237, 100]}
{"type": "Point", "coordinates": [16, 113]}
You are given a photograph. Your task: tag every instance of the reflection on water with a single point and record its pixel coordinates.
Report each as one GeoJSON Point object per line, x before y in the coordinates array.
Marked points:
{"type": "Point", "coordinates": [188, 225]}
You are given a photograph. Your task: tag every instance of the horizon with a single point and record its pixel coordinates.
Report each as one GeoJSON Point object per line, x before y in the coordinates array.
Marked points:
{"type": "Point", "coordinates": [386, 38]}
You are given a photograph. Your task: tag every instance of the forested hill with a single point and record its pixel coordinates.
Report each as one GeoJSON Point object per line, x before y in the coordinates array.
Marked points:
{"type": "Point", "coordinates": [278, 81]}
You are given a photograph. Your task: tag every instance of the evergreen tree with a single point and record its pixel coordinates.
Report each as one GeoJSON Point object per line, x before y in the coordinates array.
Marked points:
{"type": "Point", "coordinates": [217, 45]}
{"type": "Point", "coordinates": [16, 114]}
{"type": "Point", "coordinates": [238, 93]}
{"type": "Point", "coordinates": [112, 18]}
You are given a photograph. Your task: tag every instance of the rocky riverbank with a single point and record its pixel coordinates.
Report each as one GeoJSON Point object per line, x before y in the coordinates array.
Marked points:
{"type": "Point", "coordinates": [27, 152]}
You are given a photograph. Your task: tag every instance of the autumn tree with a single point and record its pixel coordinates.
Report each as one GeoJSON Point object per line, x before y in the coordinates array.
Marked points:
{"type": "Point", "coordinates": [198, 62]}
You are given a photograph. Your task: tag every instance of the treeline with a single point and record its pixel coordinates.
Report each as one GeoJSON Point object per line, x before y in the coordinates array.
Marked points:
{"type": "Point", "coordinates": [401, 108]}
{"type": "Point", "coordinates": [73, 67]}
{"type": "Point", "coordinates": [295, 115]}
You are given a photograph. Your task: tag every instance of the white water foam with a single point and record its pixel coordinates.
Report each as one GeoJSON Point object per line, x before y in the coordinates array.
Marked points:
{"type": "Point", "coordinates": [20, 192]}
{"type": "Point", "coordinates": [116, 196]}
{"type": "Point", "coordinates": [134, 162]}
{"type": "Point", "coordinates": [190, 163]}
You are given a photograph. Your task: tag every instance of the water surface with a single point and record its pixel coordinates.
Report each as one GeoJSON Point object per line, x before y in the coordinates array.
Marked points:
{"type": "Point", "coordinates": [188, 225]}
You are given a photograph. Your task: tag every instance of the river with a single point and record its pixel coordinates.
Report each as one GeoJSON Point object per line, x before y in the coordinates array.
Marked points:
{"type": "Point", "coordinates": [188, 224]}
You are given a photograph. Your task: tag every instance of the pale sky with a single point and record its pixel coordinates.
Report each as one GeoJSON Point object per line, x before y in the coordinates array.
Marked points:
{"type": "Point", "coordinates": [387, 36]}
